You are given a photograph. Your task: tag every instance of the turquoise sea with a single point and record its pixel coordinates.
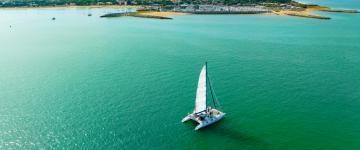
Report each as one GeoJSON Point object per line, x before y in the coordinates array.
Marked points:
{"type": "Point", "coordinates": [84, 82]}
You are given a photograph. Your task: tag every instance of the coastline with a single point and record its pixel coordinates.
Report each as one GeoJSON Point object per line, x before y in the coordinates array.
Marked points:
{"type": "Point", "coordinates": [161, 14]}
{"type": "Point", "coordinates": [77, 6]}
{"type": "Point", "coordinates": [306, 12]}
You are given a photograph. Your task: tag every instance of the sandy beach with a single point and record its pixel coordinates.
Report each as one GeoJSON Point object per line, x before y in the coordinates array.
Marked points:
{"type": "Point", "coordinates": [307, 13]}
{"type": "Point", "coordinates": [161, 14]}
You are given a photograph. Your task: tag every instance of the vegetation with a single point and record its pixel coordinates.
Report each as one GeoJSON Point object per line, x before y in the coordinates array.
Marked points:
{"type": "Point", "coordinates": [18, 3]}
{"type": "Point", "coordinates": [35, 3]}
{"type": "Point", "coordinates": [197, 2]}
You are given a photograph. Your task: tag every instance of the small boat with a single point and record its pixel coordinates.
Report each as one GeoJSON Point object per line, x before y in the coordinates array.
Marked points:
{"type": "Point", "coordinates": [89, 15]}
{"type": "Point", "coordinates": [53, 18]}
{"type": "Point", "coordinates": [203, 114]}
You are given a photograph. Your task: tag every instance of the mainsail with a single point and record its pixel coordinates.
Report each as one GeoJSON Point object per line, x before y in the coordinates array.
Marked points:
{"type": "Point", "coordinates": [200, 103]}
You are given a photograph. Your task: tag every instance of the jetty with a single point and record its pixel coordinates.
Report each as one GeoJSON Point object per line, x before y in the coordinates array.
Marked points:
{"type": "Point", "coordinates": [114, 15]}
{"type": "Point", "coordinates": [306, 15]}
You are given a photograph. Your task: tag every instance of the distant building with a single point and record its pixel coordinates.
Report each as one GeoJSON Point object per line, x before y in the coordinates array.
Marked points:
{"type": "Point", "coordinates": [122, 2]}
{"type": "Point", "coordinates": [33, 4]}
{"type": "Point", "coordinates": [176, 1]}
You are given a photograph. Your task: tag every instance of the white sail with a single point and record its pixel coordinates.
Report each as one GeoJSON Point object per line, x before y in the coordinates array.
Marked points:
{"type": "Point", "coordinates": [200, 103]}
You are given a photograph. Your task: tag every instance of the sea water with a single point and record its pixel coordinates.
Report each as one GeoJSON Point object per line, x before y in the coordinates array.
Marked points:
{"type": "Point", "coordinates": [81, 82]}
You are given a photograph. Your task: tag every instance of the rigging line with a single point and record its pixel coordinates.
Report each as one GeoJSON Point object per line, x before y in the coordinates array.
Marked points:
{"type": "Point", "coordinates": [211, 90]}
{"type": "Point", "coordinates": [212, 97]}
{"type": "Point", "coordinates": [214, 94]}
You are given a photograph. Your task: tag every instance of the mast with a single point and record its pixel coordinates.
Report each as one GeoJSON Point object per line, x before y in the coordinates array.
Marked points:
{"type": "Point", "coordinates": [206, 78]}
{"type": "Point", "coordinates": [211, 90]}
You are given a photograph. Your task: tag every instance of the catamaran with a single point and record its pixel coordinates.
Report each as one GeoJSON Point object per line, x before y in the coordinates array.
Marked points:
{"type": "Point", "coordinates": [203, 114]}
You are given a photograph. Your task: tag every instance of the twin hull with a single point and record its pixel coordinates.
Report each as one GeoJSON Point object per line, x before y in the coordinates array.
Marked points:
{"type": "Point", "coordinates": [208, 120]}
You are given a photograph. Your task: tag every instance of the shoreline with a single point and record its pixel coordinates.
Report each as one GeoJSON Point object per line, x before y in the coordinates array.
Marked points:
{"type": "Point", "coordinates": [162, 14]}
{"type": "Point", "coordinates": [77, 6]}
{"type": "Point", "coordinates": [306, 12]}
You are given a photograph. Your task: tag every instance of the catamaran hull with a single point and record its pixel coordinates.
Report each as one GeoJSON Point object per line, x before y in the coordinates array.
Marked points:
{"type": "Point", "coordinates": [205, 124]}
{"type": "Point", "coordinates": [187, 118]}
{"type": "Point", "coordinates": [207, 120]}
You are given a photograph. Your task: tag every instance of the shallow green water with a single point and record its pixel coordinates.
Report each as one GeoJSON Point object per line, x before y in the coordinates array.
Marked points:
{"type": "Point", "coordinates": [84, 82]}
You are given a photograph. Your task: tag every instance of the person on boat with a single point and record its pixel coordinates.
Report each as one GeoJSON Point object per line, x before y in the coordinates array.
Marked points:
{"type": "Point", "coordinates": [208, 111]}
{"type": "Point", "coordinates": [201, 118]}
